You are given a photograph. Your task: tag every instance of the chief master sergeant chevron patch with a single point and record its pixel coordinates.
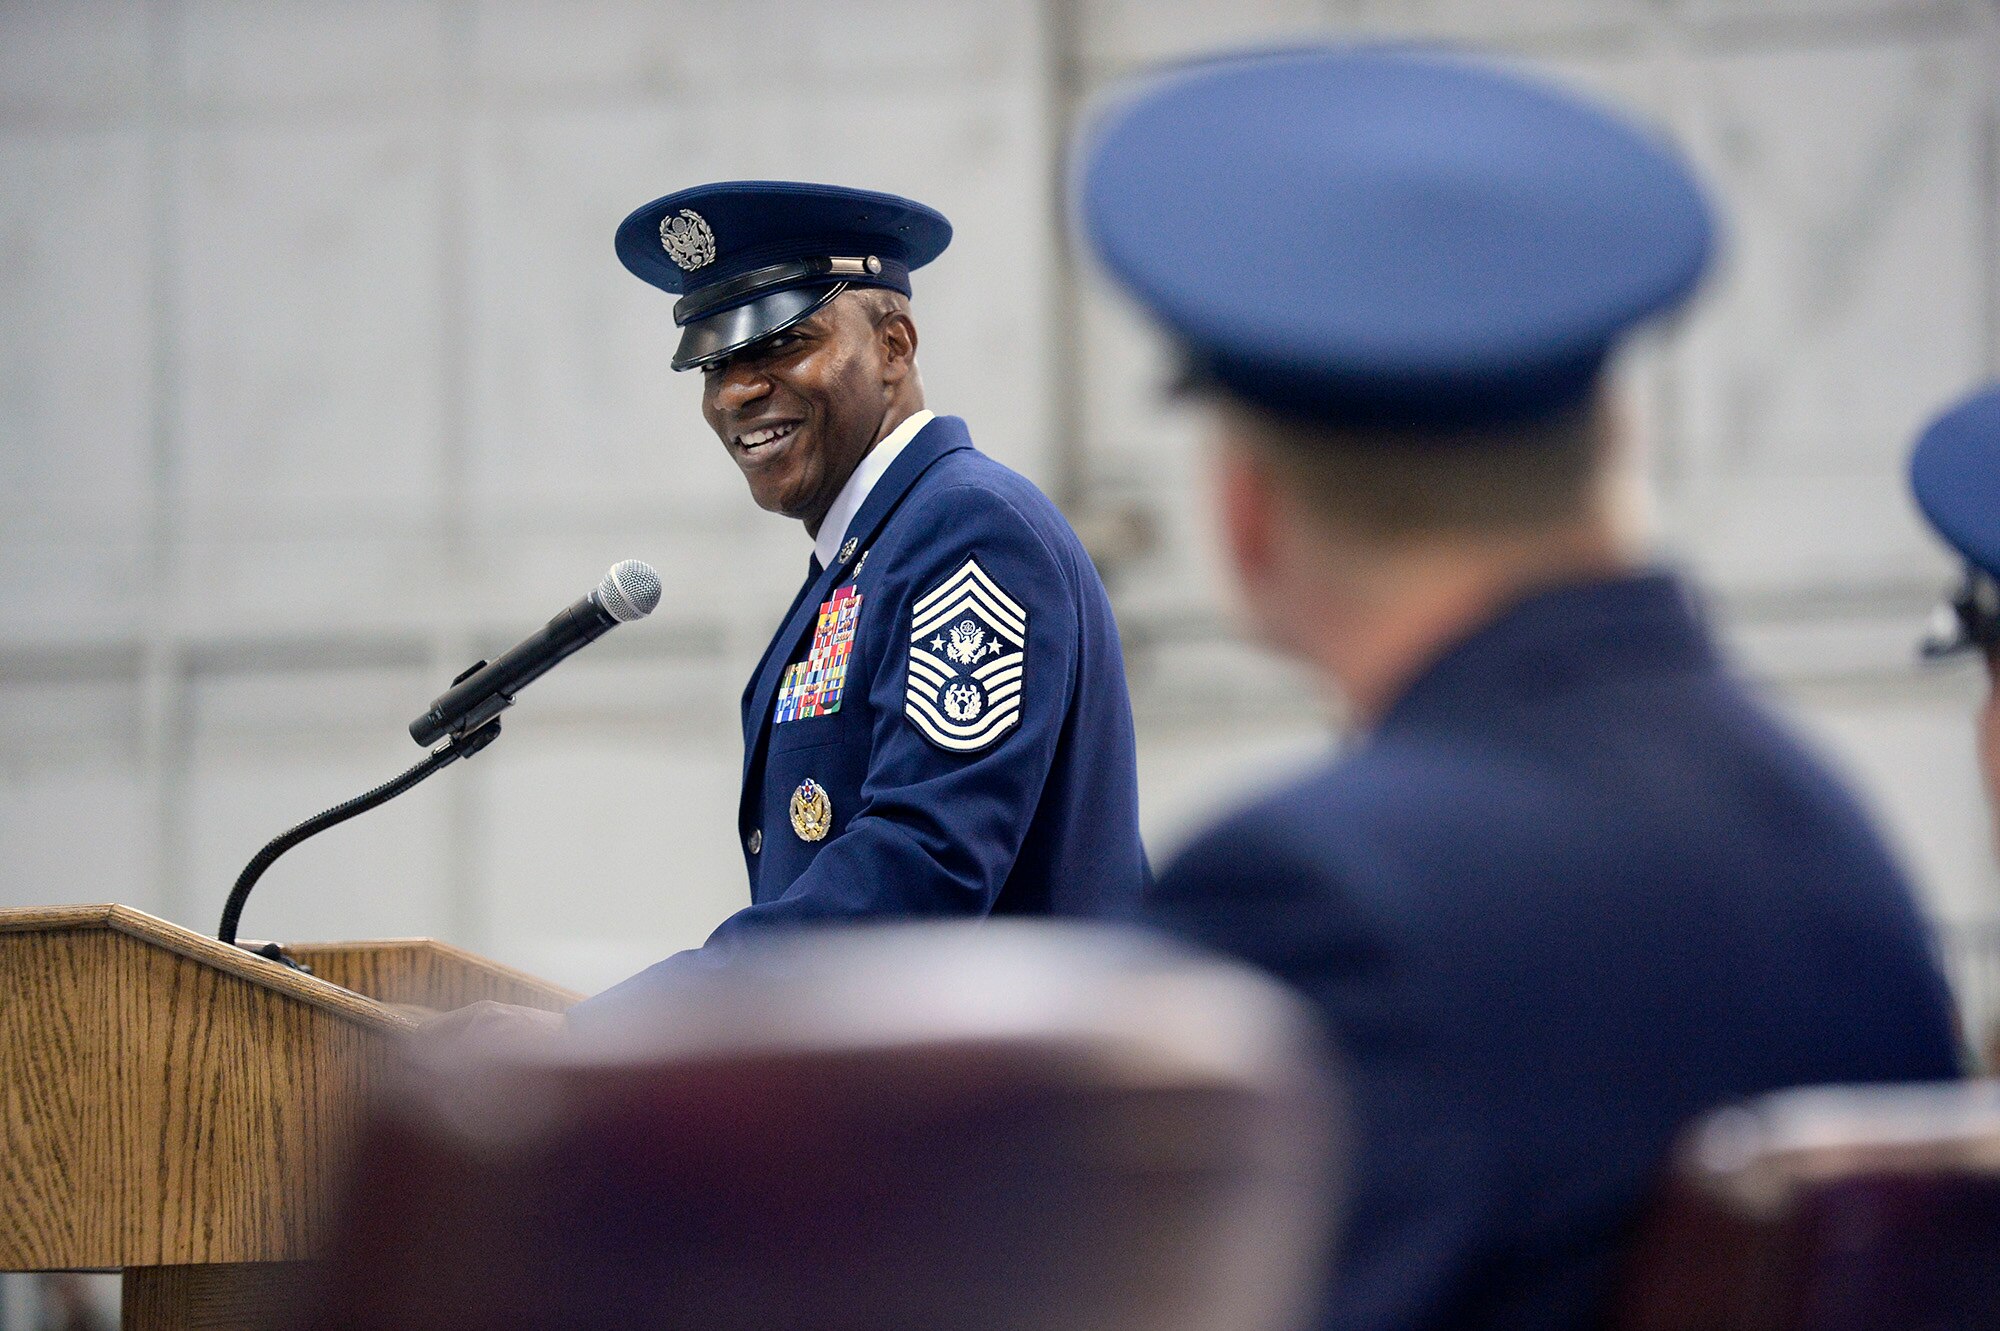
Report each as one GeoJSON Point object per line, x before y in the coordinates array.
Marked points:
{"type": "Point", "coordinates": [968, 658]}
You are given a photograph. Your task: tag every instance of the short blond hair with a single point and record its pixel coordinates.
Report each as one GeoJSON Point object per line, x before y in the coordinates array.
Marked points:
{"type": "Point", "coordinates": [1390, 483]}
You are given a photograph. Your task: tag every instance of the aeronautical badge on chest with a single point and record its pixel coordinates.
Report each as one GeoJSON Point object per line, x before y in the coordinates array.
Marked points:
{"type": "Point", "coordinates": [968, 660]}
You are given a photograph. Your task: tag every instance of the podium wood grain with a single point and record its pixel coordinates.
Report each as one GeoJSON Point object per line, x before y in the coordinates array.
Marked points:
{"type": "Point", "coordinates": [173, 1102]}
{"type": "Point", "coordinates": [421, 972]}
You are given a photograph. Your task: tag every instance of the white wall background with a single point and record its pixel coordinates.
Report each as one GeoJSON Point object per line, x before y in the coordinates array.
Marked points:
{"type": "Point", "coordinates": [319, 379]}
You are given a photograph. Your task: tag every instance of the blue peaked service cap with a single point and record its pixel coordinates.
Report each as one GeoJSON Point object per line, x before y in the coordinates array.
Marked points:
{"type": "Point", "coordinates": [1389, 236]}
{"type": "Point", "coordinates": [1955, 475]}
{"type": "Point", "coordinates": [749, 258]}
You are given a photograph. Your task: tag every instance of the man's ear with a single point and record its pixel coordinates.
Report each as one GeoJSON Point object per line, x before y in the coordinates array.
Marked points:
{"type": "Point", "coordinates": [897, 336]}
{"type": "Point", "coordinates": [1265, 541]}
{"type": "Point", "coordinates": [1247, 506]}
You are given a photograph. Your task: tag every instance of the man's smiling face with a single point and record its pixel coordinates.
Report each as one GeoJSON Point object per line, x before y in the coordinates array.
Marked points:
{"type": "Point", "coordinates": [800, 409]}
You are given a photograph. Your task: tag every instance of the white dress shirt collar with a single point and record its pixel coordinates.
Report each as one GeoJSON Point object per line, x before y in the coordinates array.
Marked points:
{"type": "Point", "coordinates": [833, 531]}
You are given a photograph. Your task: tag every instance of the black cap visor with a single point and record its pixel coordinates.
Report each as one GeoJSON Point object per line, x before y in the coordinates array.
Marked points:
{"type": "Point", "coordinates": [728, 332]}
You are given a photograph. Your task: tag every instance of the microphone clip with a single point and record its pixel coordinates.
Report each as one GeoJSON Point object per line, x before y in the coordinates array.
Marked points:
{"type": "Point", "coordinates": [465, 734]}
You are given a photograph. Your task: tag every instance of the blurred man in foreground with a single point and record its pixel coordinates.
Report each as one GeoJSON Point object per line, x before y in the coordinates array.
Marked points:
{"type": "Point", "coordinates": [1569, 884]}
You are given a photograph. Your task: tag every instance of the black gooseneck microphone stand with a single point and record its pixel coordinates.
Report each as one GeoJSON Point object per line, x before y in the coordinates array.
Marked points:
{"type": "Point", "coordinates": [458, 746]}
{"type": "Point", "coordinates": [467, 716]}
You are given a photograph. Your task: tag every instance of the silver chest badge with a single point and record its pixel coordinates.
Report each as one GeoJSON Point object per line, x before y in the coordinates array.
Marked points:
{"type": "Point", "coordinates": [687, 239]}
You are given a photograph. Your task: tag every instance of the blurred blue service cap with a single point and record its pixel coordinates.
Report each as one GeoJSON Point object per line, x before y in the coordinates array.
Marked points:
{"type": "Point", "coordinates": [1955, 474]}
{"type": "Point", "coordinates": [1389, 235]}
{"type": "Point", "coordinates": [750, 258]}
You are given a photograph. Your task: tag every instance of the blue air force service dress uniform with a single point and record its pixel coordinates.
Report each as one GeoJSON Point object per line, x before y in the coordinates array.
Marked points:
{"type": "Point", "coordinates": [1576, 886]}
{"type": "Point", "coordinates": [940, 726]}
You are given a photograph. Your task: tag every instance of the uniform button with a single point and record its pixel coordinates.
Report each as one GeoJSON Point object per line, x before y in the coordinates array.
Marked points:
{"type": "Point", "coordinates": [756, 840]}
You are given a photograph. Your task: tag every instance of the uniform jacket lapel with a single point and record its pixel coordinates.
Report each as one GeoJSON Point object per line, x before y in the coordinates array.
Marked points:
{"type": "Point", "coordinates": [772, 659]}
{"type": "Point", "coordinates": [943, 435]}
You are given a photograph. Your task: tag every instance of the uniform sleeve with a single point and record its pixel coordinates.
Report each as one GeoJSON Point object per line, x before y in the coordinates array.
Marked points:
{"type": "Point", "coordinates": [970, 686]}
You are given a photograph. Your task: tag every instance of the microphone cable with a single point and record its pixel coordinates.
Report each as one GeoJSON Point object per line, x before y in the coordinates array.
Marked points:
{"type": "Point", "coordinates": [459, 746]}
{"type": "Point", "coordinates": [467, 714]}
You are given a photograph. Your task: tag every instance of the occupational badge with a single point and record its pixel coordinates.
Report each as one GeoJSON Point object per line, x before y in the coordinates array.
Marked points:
{"type": "Point", "coordinates": [688, 241]}
{"type": "Point", "coordinates": [812, 811]}
{"type": "Point", "coordinates": [813, 687]}
{"type": "Point", "coordinates": [968, 658]}
{"type": "Point", "coordinates": [847, 550]}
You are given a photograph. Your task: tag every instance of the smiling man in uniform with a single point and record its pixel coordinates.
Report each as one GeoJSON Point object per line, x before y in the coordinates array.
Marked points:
{"type": "Point", "coordinates": [940, 726]}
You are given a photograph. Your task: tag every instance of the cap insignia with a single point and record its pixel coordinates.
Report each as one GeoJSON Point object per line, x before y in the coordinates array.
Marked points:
{"type": "Point", "coordinates": [687, 239]}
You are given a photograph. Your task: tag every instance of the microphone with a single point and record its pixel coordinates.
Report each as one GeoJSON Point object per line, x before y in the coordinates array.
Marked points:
{"type": "Point", "coordinates": [629, 591]}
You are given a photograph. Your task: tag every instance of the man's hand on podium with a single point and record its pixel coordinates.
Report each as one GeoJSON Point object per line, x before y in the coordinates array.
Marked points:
{"type": "Point", "coordinates": [491, 1026]}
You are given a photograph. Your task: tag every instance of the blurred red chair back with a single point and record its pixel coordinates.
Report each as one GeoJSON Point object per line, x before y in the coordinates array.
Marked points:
{"type": "Point", "coordinates": [908, 1129]}
{"type": "Point", "coordinates": [1836, 1209]}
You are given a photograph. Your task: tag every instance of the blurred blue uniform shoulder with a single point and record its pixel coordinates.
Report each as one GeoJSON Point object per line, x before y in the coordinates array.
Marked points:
{"type": "Point", "coordinates": [1575, 889]}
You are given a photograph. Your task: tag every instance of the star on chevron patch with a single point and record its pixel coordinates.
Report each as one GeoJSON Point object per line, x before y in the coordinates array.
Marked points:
{"type": "Point", "coordinates": [968, 659]}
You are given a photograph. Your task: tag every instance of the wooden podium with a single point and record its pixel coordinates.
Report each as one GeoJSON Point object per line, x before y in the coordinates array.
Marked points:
{"type": "Point", "coordinates": [180, 1109]}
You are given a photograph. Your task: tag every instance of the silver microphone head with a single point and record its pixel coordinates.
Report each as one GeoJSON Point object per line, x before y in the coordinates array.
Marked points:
{"type": "Point", "coordinates": [631, 590]}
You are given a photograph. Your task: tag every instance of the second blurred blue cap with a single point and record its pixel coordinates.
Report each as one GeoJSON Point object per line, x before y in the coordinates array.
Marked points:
{"type": "Point", "coordinates": [1955, 474]}
{"type": "Point", "coordinates": [1390, 236]}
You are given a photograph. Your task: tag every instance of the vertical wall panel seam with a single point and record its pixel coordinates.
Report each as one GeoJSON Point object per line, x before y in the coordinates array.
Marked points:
{"type": "Point", "coordinates": [455, 335]}
{"type": "Point", "coordinates": [1988, 175]}
{"type": "Point", "coordinates": [163, 681]}
{"type": "Point", "coordinates": [458, 90]}
{"type": "Point", "coordinates": [1062, 97]}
